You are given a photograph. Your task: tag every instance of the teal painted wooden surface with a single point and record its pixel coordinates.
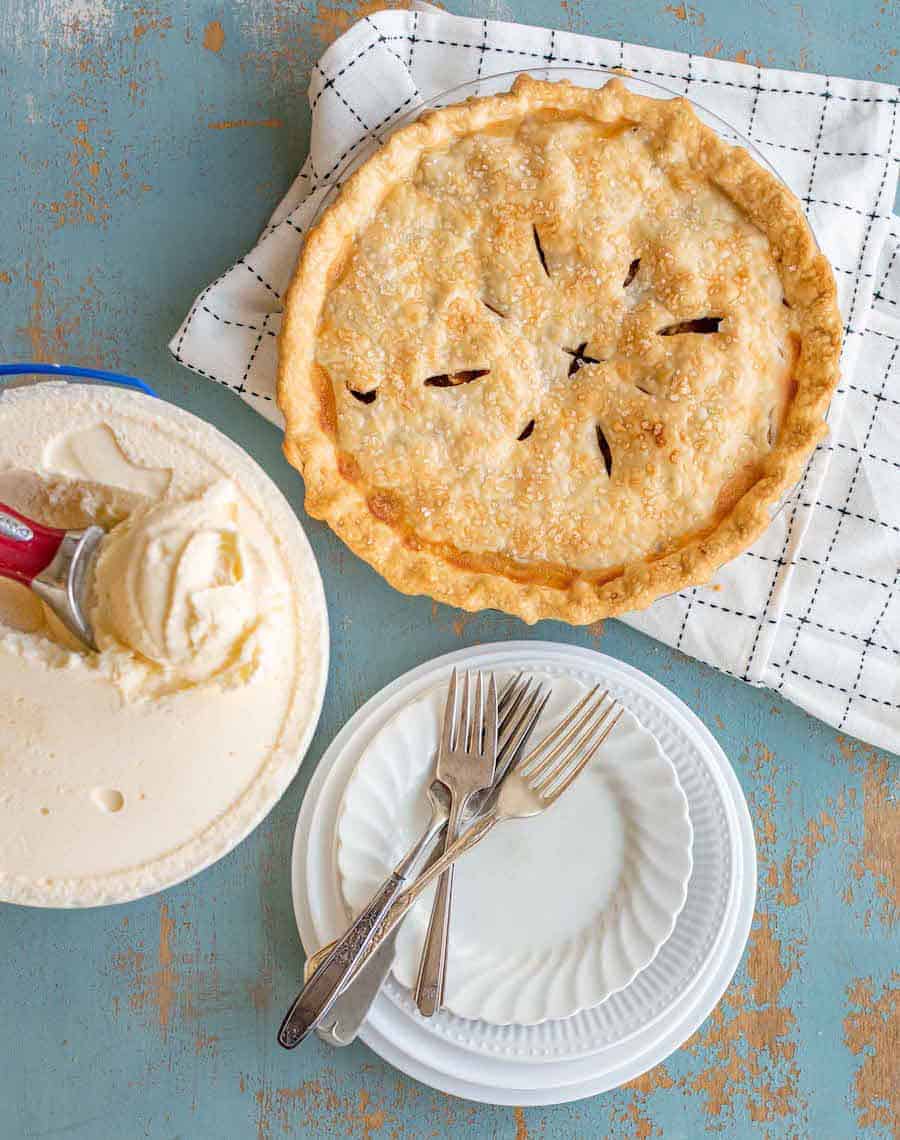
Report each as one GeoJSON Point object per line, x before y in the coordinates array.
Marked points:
{"type": "Point", "coordinates": [128, 182]}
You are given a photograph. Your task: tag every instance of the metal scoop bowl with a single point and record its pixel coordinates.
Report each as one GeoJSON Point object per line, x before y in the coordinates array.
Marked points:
{"type": "Point", "coordinates": [56, 564]}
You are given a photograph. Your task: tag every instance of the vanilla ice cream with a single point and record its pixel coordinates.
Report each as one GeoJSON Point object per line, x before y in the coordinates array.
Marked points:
{"type": "Point", "coordinates": [128, 769]}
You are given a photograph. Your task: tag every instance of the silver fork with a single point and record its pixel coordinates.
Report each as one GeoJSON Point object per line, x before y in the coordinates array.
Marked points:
{"type": "Point", "coordinates": [529, 787]}
{"type": "Point", "coordinates": [461, 772]}
{"type": "Point", "coordinates": [520, 705]}
{"type": "Point", "coordinates": [324, 985]}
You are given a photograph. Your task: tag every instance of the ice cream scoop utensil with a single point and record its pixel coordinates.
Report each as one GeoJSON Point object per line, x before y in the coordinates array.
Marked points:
{"type": "Point", "coordinates": [56, 564]}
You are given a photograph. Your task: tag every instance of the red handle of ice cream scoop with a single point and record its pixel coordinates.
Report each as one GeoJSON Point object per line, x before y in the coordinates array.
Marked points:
{"type": "Point", "coordinates": [26, 547]}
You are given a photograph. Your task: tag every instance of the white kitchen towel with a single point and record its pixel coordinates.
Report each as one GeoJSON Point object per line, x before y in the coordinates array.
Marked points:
{"type": "Point", "coordinates": [813, 610]}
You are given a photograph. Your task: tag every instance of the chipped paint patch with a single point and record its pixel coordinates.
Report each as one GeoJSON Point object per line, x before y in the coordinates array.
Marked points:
{"type": "Point", "coordinates": [206, 1043]}
{"type": "Point", "coordinates": [72, 22]}
{"type": "Point", "coordinates": [147, 19]}
{"type": "Point", "coordinates": [54, 328]}
{"type": "Point", "coordinates": [170, 987]}
{"type": "Point", "coordinates": [214, 36]}
{"type": "Point", "coordinates": [230, 124]}
{"type": "Point", "coordinates": [166, 979]}
{"type": "Point", "coordinates": [872, 1032]}
{"type": "Point", "coordinates": [35, 331]}
{"type": "Point", "coordinates": [785, 874]}
{"type": "Point", "coordinates": [332, 20]}
{"type": "Point", "coordinates": [318, 1106]}
{"type": "Point", "coordinates": [84, 200]}
{"type": "Point", "coordinates": [880, 858]}
{"type": "Point", "coordinates": [686, 13]}
{"type": "Point", "coordinates": [877, 861]}
{"type": "Point", "coordinates": [747, 1041]}
{"type": "Point", "coordinates": [635, 1114]}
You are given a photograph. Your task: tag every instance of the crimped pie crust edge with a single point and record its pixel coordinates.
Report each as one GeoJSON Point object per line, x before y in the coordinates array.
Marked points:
{"type": "Point", "coordinates": [414, 568]}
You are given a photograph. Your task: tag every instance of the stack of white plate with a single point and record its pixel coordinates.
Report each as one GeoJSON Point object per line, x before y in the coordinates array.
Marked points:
{"type": "Point", "coordinates": [586, 944]}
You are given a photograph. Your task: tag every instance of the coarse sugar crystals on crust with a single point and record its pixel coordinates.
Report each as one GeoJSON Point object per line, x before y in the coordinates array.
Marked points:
{"type": "Point", "coordinates": [556, 352]}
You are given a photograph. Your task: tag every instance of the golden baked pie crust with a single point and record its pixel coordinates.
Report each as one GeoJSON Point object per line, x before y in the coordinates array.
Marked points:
{"type": "Point", "coordinates": [372, 518]}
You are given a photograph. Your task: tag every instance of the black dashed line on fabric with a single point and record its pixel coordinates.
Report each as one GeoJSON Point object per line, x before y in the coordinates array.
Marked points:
{"type": "Point", "coordinates": [322, 183]}
{"type": "Point", "coordinates": [868, 643]}
{"type": "Point", "coordinates": [271, 227]}
{"type": "Point", "coordinates": [662, 74]}
{"type": "Point", "coordinates": [236, 324]}
{"type": "Point", "coordinates": [261, 280]}
{"type": "Point", "coordinates": [843, 633]}
{"type": "Point", "coordinates": [842, 514]}
{"type": "Point", "coordinates": [764, 619]}
{"type": "Point", "coordinates": [262, 332]}
{"type": "Point", "coordinates": [199, 301]}
{"type": "Point", "coordinates": [621, 53]}
{"type": "Point", "coordinates": [781, 562]}
{"type": "Point", "coordinates": [854, 515]}
{"type": "Point", "coordinates": [794, 617]}
{"type": "Point", "coordinates": [483, 48]}
{"type": "Point", "coordinates": [332, 83]}
{"type": "Point", "coordinates": [550, 56]}
{"type": "Point", "coordinates": [829, 685]}
{"type": "Point", "coordinates": [756, 93]}
{"type": "Point", "coordinates": [818, 562]}
{"type": "Point", "coordinates": [190, 317]}
{"type": "Point", "coordinates": [852, 272]}
{"type": "Point", "coordinates": [852, 209]}
{"type": "Point", "coordinates": [875, 204]}
{"type": "Point", "coordinates": [824, 153]}
{"type": "Point", "coordinates": [331, 80]}
{"type": "Point", "coordinates": [843, 511]}
{"type": "Point", "coordinates": [857, 451]}
{"type": "Point", "coordinates": [729, 610]}
{"type": "Point", "coordinates": [815, 159]}
{"type": "Point", "coordinates": [382, 39]}
{"type": "Point", "coordinates": [685, 618]}
{"type": "Point", "coordinates": [887, 273]}
{"type": "Point", "coordinates": [412, 40]}
{"type": "Point", "coordinates": [874, 395]}
{"type": "Point", "coordinates": [224, 383]}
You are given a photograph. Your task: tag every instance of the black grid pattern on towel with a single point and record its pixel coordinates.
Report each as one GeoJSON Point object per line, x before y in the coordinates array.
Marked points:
{"type": "Point", "coordinates": [486, 48]}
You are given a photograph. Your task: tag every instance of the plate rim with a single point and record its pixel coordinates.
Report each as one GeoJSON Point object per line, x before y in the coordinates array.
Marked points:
{"type": "Point", "coordinates": [678, 895]}
{"type": "Point", "coordinates": [726, 950]}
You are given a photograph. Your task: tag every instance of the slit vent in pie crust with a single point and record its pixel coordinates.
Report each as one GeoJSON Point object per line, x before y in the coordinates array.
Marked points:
{"type": "Point", "coordinates": [652, 328]}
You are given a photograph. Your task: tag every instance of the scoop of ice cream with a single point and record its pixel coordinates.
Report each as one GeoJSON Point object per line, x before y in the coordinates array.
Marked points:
{"type": "Point", "coordinates": [177, 585]}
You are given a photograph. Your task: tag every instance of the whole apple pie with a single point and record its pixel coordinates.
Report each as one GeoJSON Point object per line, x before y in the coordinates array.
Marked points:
{"type": "Point", "coordinates": [556, 352]}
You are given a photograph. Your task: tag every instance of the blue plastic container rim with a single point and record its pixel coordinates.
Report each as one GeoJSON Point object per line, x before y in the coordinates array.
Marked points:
{"type": "Point", "coordinates": [63, 370]}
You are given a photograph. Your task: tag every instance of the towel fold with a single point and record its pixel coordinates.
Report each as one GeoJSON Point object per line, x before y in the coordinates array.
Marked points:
{"type": "Point", "coordinates": [813, 610]}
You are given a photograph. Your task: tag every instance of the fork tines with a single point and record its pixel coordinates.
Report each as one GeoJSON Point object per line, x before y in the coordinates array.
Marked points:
{"type": "Point", "coordinates": [562, 755]}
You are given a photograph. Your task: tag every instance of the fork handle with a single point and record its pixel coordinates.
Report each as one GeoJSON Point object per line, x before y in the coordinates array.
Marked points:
{"type": "Point", "coordinates": [432, 977]}
{"type": "Point", "coordinates": [405, 900]}
{"type": "Point", "coordinates": [321, 990]}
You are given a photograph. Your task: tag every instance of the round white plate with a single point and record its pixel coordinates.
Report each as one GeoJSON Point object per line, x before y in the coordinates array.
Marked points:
{"type": "Point", "coordinates": [634, 1029]}
{"type": "Point", "coordinates": [551, 915]}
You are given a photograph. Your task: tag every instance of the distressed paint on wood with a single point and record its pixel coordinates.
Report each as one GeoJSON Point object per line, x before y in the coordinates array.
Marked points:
{"type": "Point", "coordinates": [146, 144]}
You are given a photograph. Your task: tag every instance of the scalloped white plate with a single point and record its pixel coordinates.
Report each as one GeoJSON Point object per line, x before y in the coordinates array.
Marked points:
{"type": "Point", "coordinates": [635, 1029]}
{"type": "Point", "coordinates": [553, 914]}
